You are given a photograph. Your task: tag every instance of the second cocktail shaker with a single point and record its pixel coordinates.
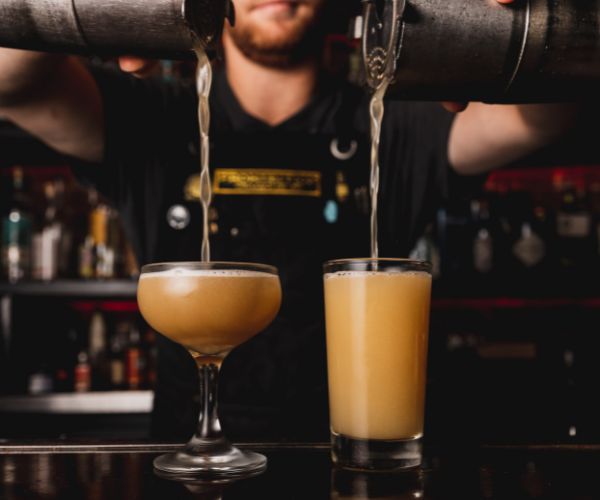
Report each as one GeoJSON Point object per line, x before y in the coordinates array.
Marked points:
{"type": "Point", "coordinates": [530, 50]}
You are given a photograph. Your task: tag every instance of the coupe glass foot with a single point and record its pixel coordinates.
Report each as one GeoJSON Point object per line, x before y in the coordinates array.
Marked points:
{"type": "Point", "coordinates": [227, 465]}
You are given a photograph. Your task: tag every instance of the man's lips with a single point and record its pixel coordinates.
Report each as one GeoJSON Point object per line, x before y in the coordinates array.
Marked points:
{"type": "Point", "coordinates": [276, 5]}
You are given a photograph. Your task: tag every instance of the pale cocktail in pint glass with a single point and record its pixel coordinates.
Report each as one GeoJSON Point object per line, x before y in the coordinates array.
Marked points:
{"type": "Point", "coordinates": [377, 321]}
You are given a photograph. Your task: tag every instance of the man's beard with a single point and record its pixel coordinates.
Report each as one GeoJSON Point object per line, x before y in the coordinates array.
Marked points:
{"type": "Point", "coordinates": [303, 44]}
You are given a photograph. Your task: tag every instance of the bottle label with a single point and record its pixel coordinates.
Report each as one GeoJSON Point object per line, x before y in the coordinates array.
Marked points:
{"type": "Point", "coordinates": [133, 368]}
{"type": "Point", "coordinates": [573, 225]}
{"type": "Point", "coordinates": [45, 247]}
{"type": "Point", "coordinates": [15, 262]}
{"type": "Point", "coordinates": [529, 250]}
{"type": "Point", "coordinates": [40, 383]}
{"type": "Point", "coordinates": [105, 262]}
{"type": "Point", "coordinates": [86, 261]}
{"type": "Point", "coordinates": [483, 252]}
{"type": "Point", "coordinates": [83, 378]}
{"type": "Point", "coordinates": [98, 225]}
{"type": "Point", "coordinates": [117, 373]}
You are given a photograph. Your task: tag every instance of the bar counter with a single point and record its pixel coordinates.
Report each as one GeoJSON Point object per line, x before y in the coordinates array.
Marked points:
{"type": "Point", "coordinates": [301, 471]}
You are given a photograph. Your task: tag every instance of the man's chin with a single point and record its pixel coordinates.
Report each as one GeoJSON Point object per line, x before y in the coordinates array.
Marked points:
{"type": "Point", "coordinates": [275, 57]}
{"type": "Point", "coordinates": [273, 37]}
{"type": "Point", "coordinates": [278, 42]}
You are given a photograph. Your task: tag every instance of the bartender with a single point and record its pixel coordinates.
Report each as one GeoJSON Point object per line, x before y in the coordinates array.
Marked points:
{"type": "Point", "coordinates": [290, 169]}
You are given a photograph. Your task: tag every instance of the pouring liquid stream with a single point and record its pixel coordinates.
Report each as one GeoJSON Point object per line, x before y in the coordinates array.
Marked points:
{"type": "Point", "coordinates": [376, 112]}
{"type": "Point", "coordinates": [204, 83]}
{"type": "Point", "coordinates": [381, 33]}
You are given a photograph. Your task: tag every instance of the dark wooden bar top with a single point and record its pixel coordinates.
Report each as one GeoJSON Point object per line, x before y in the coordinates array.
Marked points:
{"type": "Point", "coordinates": [301, 471]}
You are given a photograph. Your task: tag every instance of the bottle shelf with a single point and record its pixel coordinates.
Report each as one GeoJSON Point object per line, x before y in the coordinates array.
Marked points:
{"type": "Point", "coordinates": [92, 403]}
{"type": "Point", "coordinates": [532, 177]}
{"type": "Point", "coordinates": [72, 288]}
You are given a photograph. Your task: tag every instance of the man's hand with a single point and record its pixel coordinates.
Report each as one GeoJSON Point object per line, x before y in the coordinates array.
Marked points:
{"type": "Point", "coordinates": [138, 67]}
{"type": "Point", "coordinates": [457, 107]}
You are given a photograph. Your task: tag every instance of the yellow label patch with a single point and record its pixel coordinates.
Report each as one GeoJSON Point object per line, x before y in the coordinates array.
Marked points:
{"type": "Point", "coordinates": [258, 181]}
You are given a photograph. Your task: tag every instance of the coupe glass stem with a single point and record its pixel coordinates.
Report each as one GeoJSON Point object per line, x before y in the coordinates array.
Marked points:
{"type": "Point", "coordinates": [208, 432]}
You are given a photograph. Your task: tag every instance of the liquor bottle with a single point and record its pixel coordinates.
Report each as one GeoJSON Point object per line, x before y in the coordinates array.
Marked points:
{"type": "Point", "coordinates": [529, 249]}
{"type": "Point", "coordinates": [104, 255]}
{"type": "Point", "coordinates": [133, 360]}
{"type": "Point", "coordinates": [46, 239]}
{"type": "Point", "coordinates": [427, 249]}
{"type": "Point", "coordinates": [82, 373]}
{"type": "Point", "coordinates": [86, 258]}
{"type": "Point", "coordinates": [68, 347]}
{"type": "Point", "coordinates": [65, 245]}
{"type": "Point", "coordinates": [86, 262]}
{"type": "Point", "coordinates": [573, 228]}
{"type": "Point", "coordinates": [97, 351]}
{"type": "Point", "coordinates": [40, 382]}
{"type": "Point", "coordinates": [131, 268]}
{"type": "Point", "coordinates": [116, 264]}
{"type": "Point", "coordinates": [118, 344]}
{"type": "Point", "coordinates": [96, 257]}
{"type": "Point", "coordinates": [16, 232]}
{"type": "Point", "coordinates": [483, 239]}
{"type": "Point", "coordinates": [502, 207]}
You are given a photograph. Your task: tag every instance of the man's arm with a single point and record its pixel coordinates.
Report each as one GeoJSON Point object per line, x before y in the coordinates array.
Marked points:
{"type": "Point", "coordinates": [55, 99]}
{"type": "Point", "coordinates": [486, 136]}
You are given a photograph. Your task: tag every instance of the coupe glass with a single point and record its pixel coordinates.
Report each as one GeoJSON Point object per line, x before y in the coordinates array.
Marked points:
{"type": "Point", "coordinates": [209, 308]}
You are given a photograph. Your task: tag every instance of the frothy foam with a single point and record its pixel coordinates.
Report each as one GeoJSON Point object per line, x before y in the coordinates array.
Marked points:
{"type": "Point", "coordinates": [363, 274]}
{"type": "Point", "coordinates": [207, 273]}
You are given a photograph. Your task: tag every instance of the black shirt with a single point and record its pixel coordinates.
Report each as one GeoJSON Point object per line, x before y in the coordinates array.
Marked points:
{"type": "Point", "coordinates": [283, 197]}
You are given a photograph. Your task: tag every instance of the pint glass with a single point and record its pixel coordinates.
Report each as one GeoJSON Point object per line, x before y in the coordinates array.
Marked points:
{"type": "Point", "coordinates": [377, 321]}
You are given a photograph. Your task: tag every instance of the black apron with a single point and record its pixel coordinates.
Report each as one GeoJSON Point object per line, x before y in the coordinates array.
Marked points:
{"type": "Point", "coordinates": [294, 201]}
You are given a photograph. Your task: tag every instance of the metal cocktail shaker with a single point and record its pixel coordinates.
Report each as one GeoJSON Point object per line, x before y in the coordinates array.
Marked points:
{"type": "Point", "coordinates": [168, 28]}
{"type": "Point", "coordinates": [532, 50]}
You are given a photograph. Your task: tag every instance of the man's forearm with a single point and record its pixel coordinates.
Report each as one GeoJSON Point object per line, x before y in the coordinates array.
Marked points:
{"type": "Point", "coordinates": [548, 121]}
{"type": "Point", "coordinates": [54, 98]}
{"type": "Point", "coordinates": [485, 137]}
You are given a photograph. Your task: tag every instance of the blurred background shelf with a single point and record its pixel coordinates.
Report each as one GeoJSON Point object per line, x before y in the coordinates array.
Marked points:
{"type": "Point", "coordinates": [72, 288]}
{"type": "Point", "coordinates": [90, 403]}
